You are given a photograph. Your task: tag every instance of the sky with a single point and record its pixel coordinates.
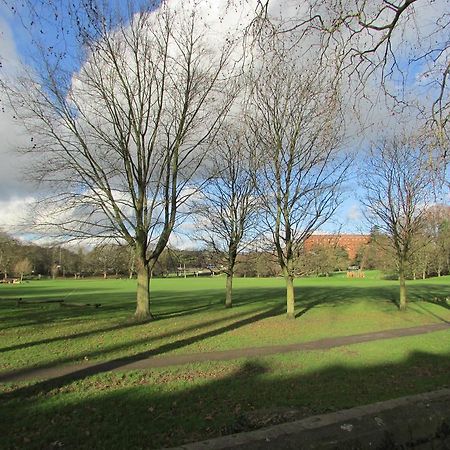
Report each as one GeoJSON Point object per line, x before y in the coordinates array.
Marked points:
{"type": "Point", "coordinates": [16, 192]}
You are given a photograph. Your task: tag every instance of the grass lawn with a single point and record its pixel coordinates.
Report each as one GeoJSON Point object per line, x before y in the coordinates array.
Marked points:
{"type": "Point", "coordinates": [150, 409]}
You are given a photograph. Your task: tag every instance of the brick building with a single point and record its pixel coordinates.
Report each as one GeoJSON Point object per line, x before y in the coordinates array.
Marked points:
{"type": "Point", "coordinates": [350, 242]}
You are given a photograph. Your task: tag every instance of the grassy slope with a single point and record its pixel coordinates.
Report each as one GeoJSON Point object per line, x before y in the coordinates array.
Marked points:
{"type": "Point", "coordinates": [174, 405]}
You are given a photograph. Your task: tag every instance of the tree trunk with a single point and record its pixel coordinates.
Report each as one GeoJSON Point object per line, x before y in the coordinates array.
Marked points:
{"type": "Point", "coordinates": [232, 253]}
{"type": "Point", "coordinates": [229, 290]}
{"type": "Point", "coordinates": [290, 297]}
{"type": "Point", "coordinates": [401, 276]}
{"type": "Point", "coordinates": [143, 290]}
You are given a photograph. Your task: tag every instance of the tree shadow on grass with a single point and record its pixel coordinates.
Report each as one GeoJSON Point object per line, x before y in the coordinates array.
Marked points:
{"type": "Point", "coordinates": [338, 295]}
{"type": "Point", "coordinates": [310, 305]}
{"type": "Point", "coordinates": [427, 292]}
{"type": "Point", "coordinates": [80, 373]}
{"type": "Point", "coordinates": [433, 295]}
{"type": "Point", "coordinates": [13, 316]}
{"type": "Point", "coordinates": [76, 358]}
{"type": "Point", "coordinates": [199, 301]}
{"type": "Point", "coordinates": [154, 409]}
{"type": "Point", "coordinates": [165, 304]}
{"type": "Point", "coordinates": [171, 304]}
{"type": "Point", "coordinates": [430, 313]}
{"type": "Point", "coordinates": [82, 334]}
{"type": "Point", "coordinates": [262, 299]}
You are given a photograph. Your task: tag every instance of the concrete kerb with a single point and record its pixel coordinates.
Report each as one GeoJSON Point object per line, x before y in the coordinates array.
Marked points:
{"type": "Point", "coordinates": [417, 421]}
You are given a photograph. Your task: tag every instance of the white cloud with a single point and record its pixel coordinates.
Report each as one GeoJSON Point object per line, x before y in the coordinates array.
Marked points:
{"type": "Point", "coordinates": [13, 212]}
{"type": "Point", "coordinates": [182, 242]}
{"type": "Point", "coordinates": [354, 213]}
{"type": "Point", "coordinates": [13, 188]}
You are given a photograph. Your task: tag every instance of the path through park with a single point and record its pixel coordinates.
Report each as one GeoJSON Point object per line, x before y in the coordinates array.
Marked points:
{"type": "Point", "coordinates": [156, 359]}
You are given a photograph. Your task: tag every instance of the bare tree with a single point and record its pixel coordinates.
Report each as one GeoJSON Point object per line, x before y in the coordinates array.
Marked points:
{"type": "Point", "coordinates": [227, 211]}
{"type": "Point", "coordinates": [396, 42]}
{"type": "Point", "coordinates": [295, 118]}
{"type": "Point", "coordinates": [8, 251]}
{"type": "Point", "coordinates": [23, 267]}
{"type": "Point", "coordinates": [437, 237]}
{"type": "Point", "coordinates": [118, 141]}
{"type": "Point", "coordinates": [398, 189]}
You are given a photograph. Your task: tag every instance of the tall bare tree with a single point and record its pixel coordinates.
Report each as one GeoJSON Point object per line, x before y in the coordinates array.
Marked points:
{"type": "Point", "coordinates": [227, 210]}
{"type": "Point", "coordinates": [400, 43]}
{"type": "Point", "coordinates": [118, 141]}
{"type": "Point", "coordinates": [295, 118]}
{"type": "Point", "coordinates": [397, 182]}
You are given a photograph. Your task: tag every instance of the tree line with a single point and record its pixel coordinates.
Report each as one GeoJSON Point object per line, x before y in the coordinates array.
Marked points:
{"type": "Point", "coordinates": [431, 257]}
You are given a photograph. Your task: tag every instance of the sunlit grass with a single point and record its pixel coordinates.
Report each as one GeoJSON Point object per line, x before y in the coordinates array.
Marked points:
{"type": "Point", "coordinates": [190, 312]}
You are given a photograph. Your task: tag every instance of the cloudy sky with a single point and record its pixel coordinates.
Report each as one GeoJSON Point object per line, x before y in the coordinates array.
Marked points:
{"type": "Point", "coordinates": [16, 192]}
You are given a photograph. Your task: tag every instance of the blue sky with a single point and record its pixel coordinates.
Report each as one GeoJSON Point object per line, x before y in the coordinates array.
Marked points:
{"type": "Point", "coordinates": [18, 44]}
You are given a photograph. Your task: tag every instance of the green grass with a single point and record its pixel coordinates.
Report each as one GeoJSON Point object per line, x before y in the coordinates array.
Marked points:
{"type": "Point", "coordinates": [191, 317]}
{"type": "Point", "coordinates": [150, 409]}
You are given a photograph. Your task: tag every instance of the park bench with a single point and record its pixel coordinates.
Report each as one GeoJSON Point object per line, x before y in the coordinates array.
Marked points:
{"type": "Point", "coordinates": [37, 301]}
{"type": "Point", "coordinates": [81, 305]}
{"type": "Point", "coordinates": [61, 302]}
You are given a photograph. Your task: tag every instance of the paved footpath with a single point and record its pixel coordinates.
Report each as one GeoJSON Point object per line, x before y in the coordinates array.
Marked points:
{"type": "Point", "coordinates": [154, 359]}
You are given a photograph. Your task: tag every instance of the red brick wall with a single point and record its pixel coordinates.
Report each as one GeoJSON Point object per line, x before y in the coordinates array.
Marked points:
{"type": "Point", "coordinates": [351, 242]}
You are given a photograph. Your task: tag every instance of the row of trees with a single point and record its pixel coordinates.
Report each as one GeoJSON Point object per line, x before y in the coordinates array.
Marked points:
{"type": "Point", "coordinates": [430, 253]}
{"type": "Point", "coordinates": [18, 258]}
{"type": "Point", "coordinates": [431, 257]}
{"type": "Point", "coordinates": [166, 117]}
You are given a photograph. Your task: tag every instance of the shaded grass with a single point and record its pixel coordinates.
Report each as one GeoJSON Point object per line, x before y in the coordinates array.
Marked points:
{"type": "Point", "coordinates": [166, 407]}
